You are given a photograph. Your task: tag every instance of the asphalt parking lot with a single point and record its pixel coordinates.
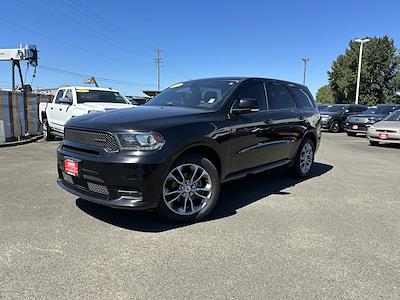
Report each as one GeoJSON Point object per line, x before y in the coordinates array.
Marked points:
{"type": "Point", "coordinates": [334, 235]}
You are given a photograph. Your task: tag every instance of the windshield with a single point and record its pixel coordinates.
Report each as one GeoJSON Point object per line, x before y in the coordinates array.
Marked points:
{"type": "Point", "coordinates": [205, 94]}
{"type": "Point", "coordinates": [384, 110]}
{"type": "Point", "coordinates": [84, 96]}
{"type": "Point", "coordinates": [393, 116]}
{"type": "Point", "coordinates": [370, 111]}
{"type": "Point", "coordinates": [334, 108]}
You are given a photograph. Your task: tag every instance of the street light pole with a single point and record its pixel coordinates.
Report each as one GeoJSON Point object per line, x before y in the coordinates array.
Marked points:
{"type": "Point", "coordinates": [305, 59]}
{"type": "Point", "coordinates": [362, 42]}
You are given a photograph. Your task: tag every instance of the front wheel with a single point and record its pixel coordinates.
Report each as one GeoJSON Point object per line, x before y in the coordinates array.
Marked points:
{"type": "Point", "coordinates": [190, 190]}
{"type": "Point", "coordinates": [304, 159]}
{"type": "Point", "coordinates": [335, 127]}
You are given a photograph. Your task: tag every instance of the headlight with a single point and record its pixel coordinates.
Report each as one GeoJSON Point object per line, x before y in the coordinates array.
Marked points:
{"type": "Point", "coordinates": [147, 141]}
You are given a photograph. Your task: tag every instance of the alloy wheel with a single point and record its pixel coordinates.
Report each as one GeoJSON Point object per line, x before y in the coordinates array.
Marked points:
{"type": "Point", "coordinates": [187, 189]}
{"type": "Point", "coordinates": [306, 158]}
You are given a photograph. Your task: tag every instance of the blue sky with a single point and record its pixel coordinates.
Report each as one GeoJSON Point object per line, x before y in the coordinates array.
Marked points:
{"type": "Point", "coordinates": [116, 39]}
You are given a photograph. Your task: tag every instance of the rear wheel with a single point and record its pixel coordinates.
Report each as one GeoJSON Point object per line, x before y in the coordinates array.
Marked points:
{"type": "Point", "coordinates": [190, 190]}
{"type": "Point", "coordinates": [374, 143]}
{"type": "Point", "coordinates": [351, 133]}
{"type": "Point", "coordinates": [47, 131]}
{"type": "Point", "coordinates": [304, 159]}
{"type": "Point", "coordinates": [335, 127]}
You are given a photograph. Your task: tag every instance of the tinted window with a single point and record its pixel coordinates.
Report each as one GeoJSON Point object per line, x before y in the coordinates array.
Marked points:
{"type": "Point", "coordinates": [302, 99]}
{"type": "Point", "coordinates": [59, 96]}
{"type": "Point", "coordinates": [255, 91]}
{"type": "Point", "coordinates": [279, 97]}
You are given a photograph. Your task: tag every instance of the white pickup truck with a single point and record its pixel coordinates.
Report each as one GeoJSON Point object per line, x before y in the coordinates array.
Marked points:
{"type": "Point", "coordinates": [75, 101]}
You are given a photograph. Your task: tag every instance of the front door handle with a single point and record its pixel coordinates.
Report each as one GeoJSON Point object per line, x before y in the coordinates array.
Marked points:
{"type": "Point", "coordinates": [51, 108]}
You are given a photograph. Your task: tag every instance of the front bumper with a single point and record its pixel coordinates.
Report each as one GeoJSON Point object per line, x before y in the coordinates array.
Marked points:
{"type": "Point", "coordinates": [392, 137]}
{"type": "Point", "coordinates": [119, 182]}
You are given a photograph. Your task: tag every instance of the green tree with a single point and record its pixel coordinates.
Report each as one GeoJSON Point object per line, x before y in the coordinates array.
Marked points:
{"type": "Point", "coordinates": [325, 94]}
{"type": "Point", "coordinates": [380, 65]}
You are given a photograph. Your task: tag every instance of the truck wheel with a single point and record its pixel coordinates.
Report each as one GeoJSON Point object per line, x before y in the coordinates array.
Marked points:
{"type": "Point", "coordinates": [190, 190]}
{"type": "Point", "coordinates": [335, 127]}
{"type": "Point", "coordinates": [47, 131]}
{"type": "Point", "coordinates": [304, 159]}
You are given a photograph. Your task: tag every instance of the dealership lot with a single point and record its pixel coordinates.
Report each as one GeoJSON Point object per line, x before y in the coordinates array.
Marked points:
{"type": "Point", "coordinates": [336, 234]}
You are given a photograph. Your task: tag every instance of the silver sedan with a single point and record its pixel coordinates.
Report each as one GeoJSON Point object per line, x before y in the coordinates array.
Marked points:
{"type": "Point", "coordinates": [385, 131]}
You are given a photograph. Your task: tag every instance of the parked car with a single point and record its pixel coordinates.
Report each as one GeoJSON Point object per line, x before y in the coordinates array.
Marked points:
{"type": "Point", "coordinates": [334, 116]}
{"type": "Point", "coordinates": [75, 101]}
{"type": "Point", "coordinates": [361, 122]}
{"type": "Point", "coordinates": [322, 106]}
{"type": "Point", "coordinates": [172, 153]}
{"type": "Point", "coordinates": [385, 131]}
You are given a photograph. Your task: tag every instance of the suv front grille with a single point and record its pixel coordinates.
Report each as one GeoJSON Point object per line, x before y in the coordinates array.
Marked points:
{"type": "Point", "coordinates": [99, 139]}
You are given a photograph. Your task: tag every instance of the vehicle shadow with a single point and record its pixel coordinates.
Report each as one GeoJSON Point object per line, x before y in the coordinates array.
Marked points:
{"type": "Point", "coordinates": [234, 195]}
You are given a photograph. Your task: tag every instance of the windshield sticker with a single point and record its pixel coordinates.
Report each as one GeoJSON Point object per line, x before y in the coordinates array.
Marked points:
{"type": "Point", "coordinates": [212, 100]}
{"type": "Point", "coordinates": [82, 91]}
{"type": "Point", "coordinates": [176, 85]}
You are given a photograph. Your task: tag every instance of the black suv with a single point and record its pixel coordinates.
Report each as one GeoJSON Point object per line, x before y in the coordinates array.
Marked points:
{"type": "Point", "coordinates": [333, 116]}
{"type": "Point", "coordinates": [172, 153]}
{"type": "Point", "coordinates": [360, 123]}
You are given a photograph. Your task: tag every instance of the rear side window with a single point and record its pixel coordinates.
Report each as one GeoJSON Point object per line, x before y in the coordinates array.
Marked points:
{"type": "Point", "coordinates": [255, 91]}
{"type": "Point", "coordinates": [302, 99]}
{"type": "Point", "coordinates": [59, 96]}
{"type": "Point", "coordinates": [279, 97]}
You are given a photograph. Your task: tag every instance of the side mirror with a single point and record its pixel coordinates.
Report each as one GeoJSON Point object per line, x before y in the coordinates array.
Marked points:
{"type": "Point", "coordinates": [65, 100]}
{"type": "Point", "coordinates": [245, 105]}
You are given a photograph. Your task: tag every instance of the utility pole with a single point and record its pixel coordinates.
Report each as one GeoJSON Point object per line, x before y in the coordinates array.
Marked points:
{"type": "Point", "coordinates": [158, 61]}
{"type": "Point", "coordinates": [362, 42]}
{"type": "Point", "coordinates": [305, 59]}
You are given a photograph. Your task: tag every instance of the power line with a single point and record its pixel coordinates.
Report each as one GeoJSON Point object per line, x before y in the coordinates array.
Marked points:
{"type": "Point", "coordinates": [76, 74]}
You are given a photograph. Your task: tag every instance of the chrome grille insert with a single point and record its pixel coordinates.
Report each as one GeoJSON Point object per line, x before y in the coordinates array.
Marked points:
{"type": "Point", "coordinates": [99, 139]}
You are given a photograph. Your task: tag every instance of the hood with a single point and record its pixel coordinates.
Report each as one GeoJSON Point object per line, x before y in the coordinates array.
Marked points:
{"type": "Point", "coordinates": [388, 125]}
{"type": "Point", "coordinates": [104, 106]}
{"type": "Point", "coordinates": [138, 118]}
{"type": "Point", "coordinates": [330, 113]}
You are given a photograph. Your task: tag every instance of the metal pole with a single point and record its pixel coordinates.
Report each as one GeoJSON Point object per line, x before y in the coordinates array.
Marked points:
{"type": "Point", "coordinates": [12, 75]}
{"type": "Point", "coordinates": [359, 72]}
{"type": "Point", "coordinates": [158, 62]}
{"type": "Point", "coordinates": [305, 59]}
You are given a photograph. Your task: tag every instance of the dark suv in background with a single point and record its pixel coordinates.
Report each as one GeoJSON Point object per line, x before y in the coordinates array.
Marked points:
{"type": "Point", "coordinates": [333, 116]}
{"type": "Point", "coordinates": [172, 153]}
{"type": "Point", "coordinates": [360, 123]}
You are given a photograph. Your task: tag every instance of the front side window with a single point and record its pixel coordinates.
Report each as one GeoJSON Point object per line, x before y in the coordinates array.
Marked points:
{"type": "Point", "coordinates": [59, 96]}
{"type": "Point", "coordinates": [203, 94]}
{"type": "Point", "coordinates": [255, 91]}
{"type": "Point", "coordinates": [84, 96]}
{"type": "Point", "coordinates": [68, 94]}
{"type": "Point", "coordinates": [279, 97]}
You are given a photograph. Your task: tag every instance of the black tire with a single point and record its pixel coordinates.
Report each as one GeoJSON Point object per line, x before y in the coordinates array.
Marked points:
{"type": "Point", "coordinates": [374, 143]}
{"type": "Point", "coordinates": [296, 169]}
{"type": "Point", "coordinates": [351, 133]}
{"type": "Point", "coordinates": [335, 127]}
{"type": "Point", "coordinates": [188, 161]}
{"type": "Point", "coordinates": [47, 131]}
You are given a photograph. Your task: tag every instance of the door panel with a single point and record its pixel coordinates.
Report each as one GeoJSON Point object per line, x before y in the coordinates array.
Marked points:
{"type": "Point", "coordinates": [53, 115]}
